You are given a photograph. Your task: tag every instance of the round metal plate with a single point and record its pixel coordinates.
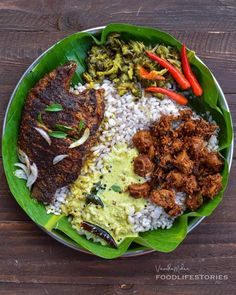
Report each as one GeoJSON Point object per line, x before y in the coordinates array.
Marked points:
{"type": "Point", "coordinates": [196, 221]}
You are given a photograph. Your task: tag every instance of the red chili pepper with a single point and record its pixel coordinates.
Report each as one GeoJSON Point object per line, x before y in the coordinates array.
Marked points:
{"type": "Point", "coordinates": [173, 95]}
{"type": "Point", "coordinates": [153, 75]}
{"type": "Point", "coordinates": [197, 90]}
{"type": "Point", "coordinates": [177, 75]}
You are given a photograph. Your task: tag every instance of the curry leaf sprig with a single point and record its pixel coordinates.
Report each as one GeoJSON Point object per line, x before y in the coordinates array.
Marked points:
{"type": "Point", "coordinates": [57, 134]}
{"type": "Point", "coordinates": [116, 188]}
{"type": "Point", "coordinates": [64, 128]}
{"type": "Point", "coordinates": [55, 107]}
{"type": "Point", "coordinates": [92, 197]}
{"type": "Point", "coordinates": [61, 130]}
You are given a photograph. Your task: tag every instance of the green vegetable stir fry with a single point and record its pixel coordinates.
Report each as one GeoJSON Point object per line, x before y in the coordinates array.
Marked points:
{"type": "Point", "coordinates": [127, 65]}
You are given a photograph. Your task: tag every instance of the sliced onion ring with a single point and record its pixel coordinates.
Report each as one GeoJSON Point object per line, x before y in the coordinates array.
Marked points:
{"type": "Point", "coordinates": [20, 174]}
{"type": "Point", "coordinates": [23, 157]}
{"type": "Point", "coordinates": [44, 134]}
{"type": "Point", "coordinates": [26, 171]}
{"type": "Point", "coordinates": [81, 140]}
{"type": "Point", "coordinates": [33, 176]}
{"type": "Point", "coordinates": [24, 168]}
{"type": "Point", "coordinates": [59, 158]}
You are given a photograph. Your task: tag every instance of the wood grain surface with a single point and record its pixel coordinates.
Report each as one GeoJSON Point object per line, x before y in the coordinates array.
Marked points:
{"type": "Point", "coordinates": [33, 263]}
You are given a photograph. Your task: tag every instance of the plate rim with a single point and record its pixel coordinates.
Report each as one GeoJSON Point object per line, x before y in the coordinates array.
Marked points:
{"type": "Point", "coordinates": [130, 253]}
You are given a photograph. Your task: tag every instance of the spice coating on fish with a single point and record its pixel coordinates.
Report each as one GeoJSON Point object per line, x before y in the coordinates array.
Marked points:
{"type": "Point", "coordinates": [78, 113]}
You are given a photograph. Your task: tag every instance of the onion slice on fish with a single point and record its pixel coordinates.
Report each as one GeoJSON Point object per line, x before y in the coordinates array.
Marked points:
{"type": "Point", "coordinates": [24, 168]}
{"type": "Point", "coordinates": [27, 171]}
{"type": "Point", "coordinates": [59, 158]}
{"type": "Point", "coordinates": [81, 140]}
{"type": "Point", "coordinates": [20, 174]}
{"type": "Point", "coordinates": [23, 158]}
{"type": "Point", "coordinates": [44, 134]}
{"type": "Point", "coordinates": [33, 176]}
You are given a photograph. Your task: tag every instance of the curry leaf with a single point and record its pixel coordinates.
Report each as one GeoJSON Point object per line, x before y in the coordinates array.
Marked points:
{"type": "Point", "coordinates": [57, 134]}
{"type": "Point", "coordinates": [116, 188]}
{"type": "Point", "coordinates": [55, 107]}
{"type": "Point", "coordinates": [40, 119]}
{"type": "Point", "coordinates": [81, 125]}
{"type": "Point", "coordinates": [96, 188]}
{"type": "Point", "coordinates": [91, 198]}
{"type": "Point", "coordinates": [63, 127]}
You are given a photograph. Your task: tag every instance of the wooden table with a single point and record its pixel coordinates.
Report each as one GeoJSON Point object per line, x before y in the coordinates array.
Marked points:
{"type": "Point", "coordinates": [33, 263]}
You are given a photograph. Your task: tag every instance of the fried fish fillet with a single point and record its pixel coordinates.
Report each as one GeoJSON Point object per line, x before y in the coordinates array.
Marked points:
{"type": "Point", "coordinates": [86, 107]}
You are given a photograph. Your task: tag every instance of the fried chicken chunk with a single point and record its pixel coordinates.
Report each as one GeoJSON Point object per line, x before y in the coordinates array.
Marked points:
{"type": "Point", "coordinates": [194, 201]}
{"type": "Point", "coordinates": [183, 162]}
{"type": "Point", "coordinates": [211, 185]}
{"type": "Point", "coordinates": [175, 211]}
{"type": "Point", "coordinates": [166, 199]}
{"type": "Point", "coordinates": [143, 166]}
{"type": "Point", "coordinates": [163, 197]}
{"type": "Point", "coordinates": [176, 179]}
{"type": "Point", "coordinates": [213, 161]}
{"type": "Point", "coordinates": [182, 182]}
{"type": "Point", "coordinates": [158, 176]}
{"type": "Point", "coordinates": [198, 127]}
{"type": "Point", "coordinates": [205, 129]}
{"type": "Point", "coordinates": [177, 159]}
{"type": "Point", "coordinates": [177, 145]}
{"type": "Point", "coordinates": [196, 146]}
{"type": "Point", "coordinates": [191, 184]}
{"type": "Point", "coordinates": [143, 141]}
{"type": "Point", "coordinates": [162, 127]}
{"type": "Point", "coordinates": [139, 190]}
